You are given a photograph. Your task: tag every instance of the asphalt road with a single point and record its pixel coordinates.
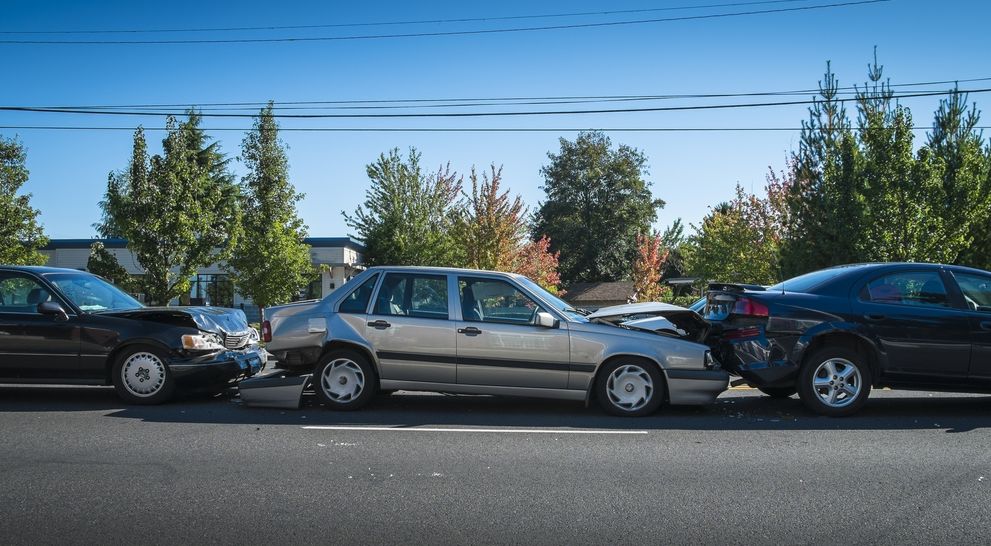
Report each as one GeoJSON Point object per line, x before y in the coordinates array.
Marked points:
{"type": "Point", "coordinates": [77, 466]}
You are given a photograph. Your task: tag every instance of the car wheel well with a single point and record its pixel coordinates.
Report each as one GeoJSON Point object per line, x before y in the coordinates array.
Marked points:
{"type": "Point", "coordinates": [108, 366]}
{"type": "Point", "coordinates": [845, 340]}
{"type": "Point", "coordinates": [611, 359]}
{"type": "Point", "coordinates": [363, 351]}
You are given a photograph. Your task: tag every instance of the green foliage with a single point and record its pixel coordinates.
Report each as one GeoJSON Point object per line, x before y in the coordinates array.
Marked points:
{"type": "Point", "coordinates": [270, 262]}
{"type": "Point", "coordinates": [598, 201]}
{"type": "Point", "coordinates": [407, 215]}
{"type": "Point", "coordinates": [647, 269]}
{"type": "Point", "coordinates": [102, 262]}
{"type": "Point", "coordinates": [737, 242]}
{"type": "Point", "coordinates": [20, 234]}
{"type": "Point", "coordinates": [175, 209]}
{"type": "Point", "coordinates": [863, 195]}
{"type": "Point", "coordinates": [490, 226]}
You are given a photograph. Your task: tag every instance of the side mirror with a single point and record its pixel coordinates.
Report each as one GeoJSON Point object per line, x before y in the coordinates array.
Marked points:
{"type": "Point", "coordinates": [53, 309]}
{"type": "Point", "coordinates": [547, 320]}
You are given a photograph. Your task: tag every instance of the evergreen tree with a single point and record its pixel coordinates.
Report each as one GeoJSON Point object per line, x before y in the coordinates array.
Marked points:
{"type": "Point", "coordinates": [270, 263]}
{"type": "Point", "coordinates": [20, 234]}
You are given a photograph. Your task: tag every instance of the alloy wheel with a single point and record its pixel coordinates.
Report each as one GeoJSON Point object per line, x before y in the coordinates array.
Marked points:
{"type": "Point", "coordinates": [837, 382]}
{"type": "Point", "coordinates": [143, 374]}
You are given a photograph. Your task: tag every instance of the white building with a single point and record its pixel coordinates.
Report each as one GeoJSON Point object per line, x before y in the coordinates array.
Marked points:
{"type": "Point", "coordinates": [339, 258]}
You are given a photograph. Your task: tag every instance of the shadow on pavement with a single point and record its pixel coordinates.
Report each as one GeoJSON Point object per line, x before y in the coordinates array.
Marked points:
{"type": "Point", "coordinates": [735, 410]}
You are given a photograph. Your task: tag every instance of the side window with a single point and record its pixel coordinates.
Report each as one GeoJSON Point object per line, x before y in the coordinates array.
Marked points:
{"type": "Point", "coordinates": [488, 300]}
{"type": "Point", "coordinates": [357, 300]}
{"type": "Point", "coordinates": [976, 291]}
{"type": "Point", "coordinates": [408, 295]}
{"type": "Point", "coordinates": [21, 294]}
{"type": "Point", "coordinates": [924, 288]}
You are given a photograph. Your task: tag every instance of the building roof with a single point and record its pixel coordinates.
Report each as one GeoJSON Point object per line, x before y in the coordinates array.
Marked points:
{"type": "Point", "coordinates": [600, 291]}
{"type": "Point", "coordinates": [317, 242]}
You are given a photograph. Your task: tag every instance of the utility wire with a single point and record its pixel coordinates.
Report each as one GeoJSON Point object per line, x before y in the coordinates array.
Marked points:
{"type": "Point", "coordinates": [493, 101]}
{"type": "Point", "coordinates": [474, 114]}
{"type": "Point", "coordinates": [445, 129]}
{"type": "Point", "coordinates": [396, 23]}
{"type": "Point", "coordinates": [439, 33]}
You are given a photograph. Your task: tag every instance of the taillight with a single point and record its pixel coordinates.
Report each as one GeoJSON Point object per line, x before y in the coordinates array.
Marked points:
{"type": "Point", "coordinates": [266, 331]}
{"type": "Point", "coordinates": [741, 333]}
{"type": "Point", "coordinates": [750, 307]}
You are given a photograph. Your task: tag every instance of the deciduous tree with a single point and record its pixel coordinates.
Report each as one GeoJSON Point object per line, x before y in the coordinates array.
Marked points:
{"type": "Point", "coordinates": [647, 269]}
{"type": "Point", "coordinates": [491, 226]}
{"type": "Point", "coordinates": [536, 260]}
{"type": "Point", "coordinates": [20, 234]}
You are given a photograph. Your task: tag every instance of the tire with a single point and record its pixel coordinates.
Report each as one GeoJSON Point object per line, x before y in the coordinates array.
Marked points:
{"type": "Point", "coordinates": [778, 392]}
{"type": "Point", "coordinates": [344, 380]}
{"type": "Point", "coordinates": [140, 376]}
{"type": "Point", "coordinates": [383, 392]}
{"type": "Point", "coordinates": [630, 387]}
{"type": "Point", "coordinates": [825, 377]}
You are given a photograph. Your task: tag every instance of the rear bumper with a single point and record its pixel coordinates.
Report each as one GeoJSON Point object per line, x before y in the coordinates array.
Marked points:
{"type": "Point", "coordinates": [761, 361]}
{"type": "Point", "coordinates": [695, 387]}
{"type": "Point", "coordinates": [223, 368]}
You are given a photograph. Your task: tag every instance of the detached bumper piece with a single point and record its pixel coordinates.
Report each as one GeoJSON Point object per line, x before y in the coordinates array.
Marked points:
{"type": "Point", "coordinates": [277, 390]}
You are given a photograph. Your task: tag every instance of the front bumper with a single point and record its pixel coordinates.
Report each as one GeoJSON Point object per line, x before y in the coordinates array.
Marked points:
{"type": "Point", "coordinates": [695, 387]}
{"type": "Point", "coordinates": [218, 369]}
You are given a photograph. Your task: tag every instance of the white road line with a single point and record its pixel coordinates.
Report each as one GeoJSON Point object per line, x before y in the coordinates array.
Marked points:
{"type": "Point", "coordinates": [495, 430]}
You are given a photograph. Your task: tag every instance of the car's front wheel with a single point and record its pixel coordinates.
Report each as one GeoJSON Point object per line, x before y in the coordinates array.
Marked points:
{"type": "Point", "coordinates": [344, 380]}
{"type": "Point", "coordinates": [835, 381]}
{"type": "Point", "coordinates": [140, 376]}
{"type": "Point", "coordinates": [630, 388]}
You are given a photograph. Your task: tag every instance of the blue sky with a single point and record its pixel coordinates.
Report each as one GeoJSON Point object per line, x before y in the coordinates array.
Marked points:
{"type": "Point", "coordinates": [917, 40]}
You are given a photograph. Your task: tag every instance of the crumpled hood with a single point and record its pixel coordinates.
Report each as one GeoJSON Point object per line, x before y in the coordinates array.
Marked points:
{"type": "Point", "coordinates": [652, 316]}
{"type": "Point", "coordinates": [209, 319]}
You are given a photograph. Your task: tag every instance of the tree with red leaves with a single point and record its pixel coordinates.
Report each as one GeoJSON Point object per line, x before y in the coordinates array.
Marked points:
{"type": "Point", "coordinates": [651, 256]}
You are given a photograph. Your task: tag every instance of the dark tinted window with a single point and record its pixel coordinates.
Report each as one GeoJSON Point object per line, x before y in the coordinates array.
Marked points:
{"type": "Point", "coordinates": [976, 291]}
{"type": "Point", "coordinates": [908, 288]}
{"type": "Point", "coordinates": [808, 281]}
{"type": "Point", "coordinates": [490, 300]}
{"type": "Point", "coordinates": [357, 300]}
{"type": "Point", "coordinates": [409, 295]}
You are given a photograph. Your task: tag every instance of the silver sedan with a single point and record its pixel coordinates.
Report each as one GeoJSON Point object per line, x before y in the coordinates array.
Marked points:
{"type": "Point", "coordinates": [484, 332]}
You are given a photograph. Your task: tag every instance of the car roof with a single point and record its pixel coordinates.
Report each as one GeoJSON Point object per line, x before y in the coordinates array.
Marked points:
{"type": "Point", "coordinates": [440, 270]}
{"type": "Point", "coordinates": [39, 269]}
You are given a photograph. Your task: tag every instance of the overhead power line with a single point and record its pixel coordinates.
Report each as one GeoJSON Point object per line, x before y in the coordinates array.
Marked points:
{"type": "Point", "coordinates": [441, 33]}
{"type": "Point", "coordinates": [398, 23]}
{"type": "Point", "coordinates": [443, 129]}
{"type": "Point", "coordinates": [105, 112]}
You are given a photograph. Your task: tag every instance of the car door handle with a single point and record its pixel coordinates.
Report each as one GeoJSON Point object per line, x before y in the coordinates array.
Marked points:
{"type": "Point", "coordinates": [986, 325]}
{"type": "Point", "coordinates": [379, 324]}
{"type": "Point", "coordinates": [874, 318]}
{"type": "Point", "coordinates": [469, 331]}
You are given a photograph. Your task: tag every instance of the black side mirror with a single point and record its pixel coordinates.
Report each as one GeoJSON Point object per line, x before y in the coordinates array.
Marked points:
{"type": "Point", "coordinates": [53, 309]}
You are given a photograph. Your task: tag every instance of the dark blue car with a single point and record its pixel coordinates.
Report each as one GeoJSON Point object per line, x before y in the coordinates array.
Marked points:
{"type": "Point", "coordinates": [832, 335]}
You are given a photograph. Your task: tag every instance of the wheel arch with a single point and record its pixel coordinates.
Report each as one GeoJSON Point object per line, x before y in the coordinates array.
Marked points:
{"type": "Point", "coordinates": [113, 355]}
{"type": "Point", "coordinates": [364, 351]}
{"type": "Point", "coordinates": [845, 338]}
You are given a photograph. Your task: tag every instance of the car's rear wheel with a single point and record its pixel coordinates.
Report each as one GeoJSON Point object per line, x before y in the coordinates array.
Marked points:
{"type": "Point", "coordinates": [141, 376]}
{"type": "Point", "coordinates": [344, 380]}
{"type": "Point", "coordinates": [630, 388]}
{"type": "Point", "coordinates": [778, 392]}
{"type": "Point", "coordinates": [835, 381]}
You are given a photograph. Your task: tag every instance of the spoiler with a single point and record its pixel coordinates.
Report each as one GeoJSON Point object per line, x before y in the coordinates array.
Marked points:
{"type": "Point", "coordinates": [735, 287]}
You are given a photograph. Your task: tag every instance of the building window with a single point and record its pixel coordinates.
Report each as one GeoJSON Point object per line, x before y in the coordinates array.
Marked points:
{"type": "Point", "coordinates": [215, 290]}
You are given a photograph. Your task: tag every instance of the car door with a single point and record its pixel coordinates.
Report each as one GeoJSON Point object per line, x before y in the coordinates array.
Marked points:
{"type": "Point", "coordinates": [913, 316]}
{"type": "Point", "coordinates": [976, 290]}
{"type": "Point", "coordinates": [411, 329]}
{"type": "Point", "coordinates": [498, 342]}
{"type": "Point", "coordinates": [33, 345]}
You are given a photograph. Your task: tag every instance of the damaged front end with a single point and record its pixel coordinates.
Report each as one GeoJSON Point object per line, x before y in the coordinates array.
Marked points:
{"type": "Point", "coordinates": [659, 318]}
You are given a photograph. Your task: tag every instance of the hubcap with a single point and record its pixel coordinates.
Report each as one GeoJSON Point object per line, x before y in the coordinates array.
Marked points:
{"type": "Point", "coordinates": [342, 380]}
{"type": "Point", "coordinates": [630, 387]}
{"type": "Point", "coordinates": [143, 374]}
{"type": "Point", "coordinates": [837, 382]}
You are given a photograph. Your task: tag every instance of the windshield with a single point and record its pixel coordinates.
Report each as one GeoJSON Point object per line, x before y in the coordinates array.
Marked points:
{"type": "Point", "coordinates": [555, 301]}
{"type": "Point", "coordinates": [808, 281]}
{"type": "Point", "coordinates": [91, 293]}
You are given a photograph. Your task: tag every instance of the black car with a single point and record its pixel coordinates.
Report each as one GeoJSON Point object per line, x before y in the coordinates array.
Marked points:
{"type": "Point", "coordinates": [71, 327]}
{"type": "Point", "coordinates": [832, 335]}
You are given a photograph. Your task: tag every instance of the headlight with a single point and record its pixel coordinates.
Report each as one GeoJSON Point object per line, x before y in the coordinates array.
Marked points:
{"type": "Point", "coordinates": [202, 342]}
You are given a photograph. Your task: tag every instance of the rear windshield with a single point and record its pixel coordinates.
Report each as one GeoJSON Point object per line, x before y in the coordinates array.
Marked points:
{"type": "Point", "coordinates": [808, 281]}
